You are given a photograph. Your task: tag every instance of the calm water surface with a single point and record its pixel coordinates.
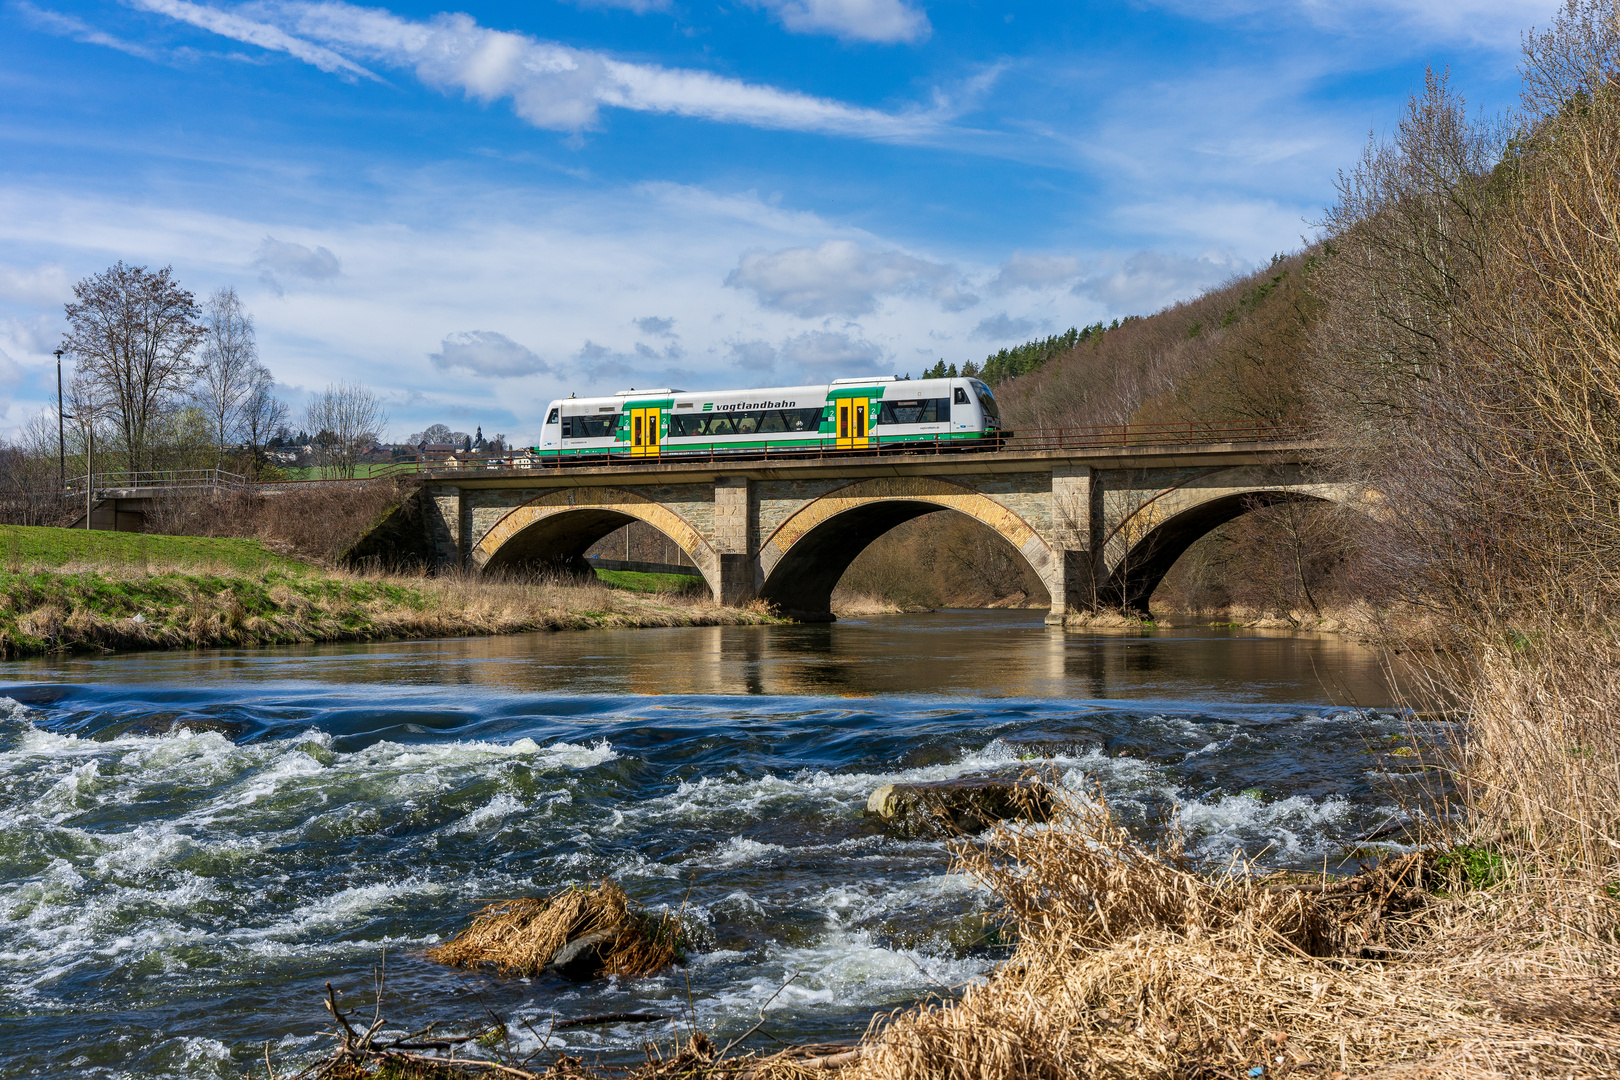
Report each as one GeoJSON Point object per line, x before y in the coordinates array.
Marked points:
{"type": "Point", "coordinates": [191, 843]}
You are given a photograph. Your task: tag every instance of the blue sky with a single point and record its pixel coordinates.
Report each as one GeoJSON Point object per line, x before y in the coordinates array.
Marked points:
{"type": "Point", "coordinates": [476, 208]}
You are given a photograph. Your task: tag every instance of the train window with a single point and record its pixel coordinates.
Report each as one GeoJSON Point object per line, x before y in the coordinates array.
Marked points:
{"type": "Point", "coordinates": [589, 427]}
{"type": "Point", "coordinates": [765, 421]}
{"type": "Point", "coordinates": [961, 396]}
{"type": "Point", "coordinates": [551, 418]}
{"type": "Point", "coordinates": [918, 411]}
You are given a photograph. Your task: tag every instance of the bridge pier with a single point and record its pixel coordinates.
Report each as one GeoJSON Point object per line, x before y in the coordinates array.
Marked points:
{"type": "Point", "coordinates": [734, 532]}
{"type": "Point", "coordinates": [444, 526]}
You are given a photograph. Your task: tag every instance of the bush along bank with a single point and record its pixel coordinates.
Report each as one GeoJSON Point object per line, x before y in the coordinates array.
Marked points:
{"type": "Point", "coordinates": [104, 609]}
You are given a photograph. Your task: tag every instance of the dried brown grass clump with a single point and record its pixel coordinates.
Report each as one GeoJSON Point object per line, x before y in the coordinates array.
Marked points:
{"type": "Point", "coordinates": [1131, 964]}
{"type": "Point", "coordinates": [521, 937]}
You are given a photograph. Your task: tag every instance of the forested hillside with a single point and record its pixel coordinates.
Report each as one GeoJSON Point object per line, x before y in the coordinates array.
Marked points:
{"type": "Point", "coordinates": [1233, 353]}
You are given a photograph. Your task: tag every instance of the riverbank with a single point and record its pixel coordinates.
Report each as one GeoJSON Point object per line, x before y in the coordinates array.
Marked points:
{"type": "Point", "coordinates": [96, 608]}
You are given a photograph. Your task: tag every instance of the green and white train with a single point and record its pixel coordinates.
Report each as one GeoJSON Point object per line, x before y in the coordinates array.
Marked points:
{"type": "Point", "coordinates": [871, 414]}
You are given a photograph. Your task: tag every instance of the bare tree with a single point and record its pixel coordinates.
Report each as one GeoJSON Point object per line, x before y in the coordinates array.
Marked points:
{"type": "Point", "coordinates": [262, 413]}
{"type": "Point", "coordinates": [132, 332]}
{"type": "Point", "coordinates": [346, 418]}
{"type": "Point", "coordinates": [225, 377]}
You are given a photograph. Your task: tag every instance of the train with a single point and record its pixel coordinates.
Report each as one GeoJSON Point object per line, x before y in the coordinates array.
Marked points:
{"type": "Point", "coordinates": [871, 414]}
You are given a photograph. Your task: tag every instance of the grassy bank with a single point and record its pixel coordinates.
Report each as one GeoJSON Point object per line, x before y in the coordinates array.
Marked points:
{"type": "Point", "coordinates": [25, 546]}
{"type": "Point", "coordinates": [62, 590]}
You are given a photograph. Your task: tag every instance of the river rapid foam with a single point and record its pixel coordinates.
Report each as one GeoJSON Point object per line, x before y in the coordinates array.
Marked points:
{"type": "Point", "coordinates": [182, 867]}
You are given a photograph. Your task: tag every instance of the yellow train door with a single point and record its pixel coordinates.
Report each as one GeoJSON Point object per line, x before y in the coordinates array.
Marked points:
{"type": "Point", "coordinates": [852, 425]}
{"type": "Point", "coordinates": [644, 432]}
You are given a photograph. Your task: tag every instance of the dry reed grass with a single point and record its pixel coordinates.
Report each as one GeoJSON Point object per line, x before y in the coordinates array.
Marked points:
{"type": "Point", "coordinates": [520, 937]}
{"type": "Point", "coordinates": [1130, 963]}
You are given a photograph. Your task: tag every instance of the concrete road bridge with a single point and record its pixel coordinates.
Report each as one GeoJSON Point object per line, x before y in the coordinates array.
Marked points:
{"type": "Point", "coordinates": [1100, 524]}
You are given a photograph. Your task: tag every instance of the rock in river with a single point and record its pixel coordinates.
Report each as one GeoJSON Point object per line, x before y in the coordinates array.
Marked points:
{"type": "Point", "coordinates": [963, 806]}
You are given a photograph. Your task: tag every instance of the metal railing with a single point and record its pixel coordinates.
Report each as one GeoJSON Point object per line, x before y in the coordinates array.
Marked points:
{"type": "Point", "coordinates": [1029, 440]}
{"type": "Point", "coordinates": [158, 478]}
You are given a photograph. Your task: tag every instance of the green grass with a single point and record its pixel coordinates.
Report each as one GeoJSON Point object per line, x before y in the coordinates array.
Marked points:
{"type": "Point", "coordinates": [635, 581]}
{"type": "Point", "coordinates": [22, 545]}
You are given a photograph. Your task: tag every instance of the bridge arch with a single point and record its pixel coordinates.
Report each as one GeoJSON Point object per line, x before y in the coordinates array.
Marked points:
{"type": "Point", "coordinates": [802, 560]}
{"type": "Point", "coordinates": [557, 528]}
{"type": "Point", "coordinates": [1146, 543]}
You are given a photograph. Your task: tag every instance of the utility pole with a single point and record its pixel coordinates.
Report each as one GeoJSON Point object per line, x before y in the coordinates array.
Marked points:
{"type": "Point", "coordinates": [61, 441]}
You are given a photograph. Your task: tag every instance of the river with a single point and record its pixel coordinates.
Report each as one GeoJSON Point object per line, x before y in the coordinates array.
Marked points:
{"type": "Point", "coordinates": [192, 843]}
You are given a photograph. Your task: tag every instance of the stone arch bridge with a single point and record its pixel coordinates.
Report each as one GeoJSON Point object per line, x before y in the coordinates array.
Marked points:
{"type": "Point", "coordinates": [1100, 527]}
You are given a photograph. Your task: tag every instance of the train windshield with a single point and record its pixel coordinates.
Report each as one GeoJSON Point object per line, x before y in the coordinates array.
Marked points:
{"type": "Point", "coordinates": [987, 401]}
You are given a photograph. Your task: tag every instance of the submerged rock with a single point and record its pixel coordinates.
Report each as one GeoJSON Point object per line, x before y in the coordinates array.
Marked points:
{"type": "Point", "coordinates": [964, 806]}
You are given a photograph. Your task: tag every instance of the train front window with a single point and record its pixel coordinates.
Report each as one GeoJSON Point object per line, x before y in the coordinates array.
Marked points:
{"type": "Point", "coordinates": [987, 401]}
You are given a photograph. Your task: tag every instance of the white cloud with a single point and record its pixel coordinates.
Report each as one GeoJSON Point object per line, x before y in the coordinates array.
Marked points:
{"type": "Point", "coordinates": [276, 259]}
{"type": "Point", "coordinates": [1002, 327]}
{"type": "Point", "coordinates": [839, 277]}
{"type": "Point", "coordinates": [47, 283]}
{"type": "Point", "coordinates": [1034, 272]}
{"type": "Point", "coordinates": [885, 21]}
{"type": "Point", "coordinates": [550, 85]}
{"type": "Point", "coordinates": [484, 352]}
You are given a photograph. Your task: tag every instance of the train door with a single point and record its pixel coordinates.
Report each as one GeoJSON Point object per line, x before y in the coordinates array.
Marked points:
{"type": "Point", "coordinates": [644, 432]}
{"type": "Point", "coordinates": [852, 424]}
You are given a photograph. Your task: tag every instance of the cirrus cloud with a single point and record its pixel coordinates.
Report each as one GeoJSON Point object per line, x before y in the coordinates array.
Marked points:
{"type": "Point", "coordinates": [549, 84]}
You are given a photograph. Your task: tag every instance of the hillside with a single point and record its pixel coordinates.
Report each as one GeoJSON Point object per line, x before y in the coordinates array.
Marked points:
{"type": "Point", "coordinates": [1232, 353]}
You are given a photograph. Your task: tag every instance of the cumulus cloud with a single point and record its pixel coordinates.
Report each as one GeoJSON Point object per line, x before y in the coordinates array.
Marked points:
{"type": "Point", "coordinates": [656, 326]}
{"type": "Point", "coordinates": [484, 352]}
{"type": "Point", "coordinates": [47, 283]}
{"type": "Point", "coordinates": [885, 21]}
{"type": "Point", "coordinates": [1002, 327]}
{"type": "Point", "coordinates": [276, 259]}
{"type": "Point", "coordinates": [550, 85]}
{"type": "Point", "coordinates": [838, 278]}
{"type": "Point", "coordinates": [1034, 272]}
{"type": "Point", "coordinates": [1149, 280]}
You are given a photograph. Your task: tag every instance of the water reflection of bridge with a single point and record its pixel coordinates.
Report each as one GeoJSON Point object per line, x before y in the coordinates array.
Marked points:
{"type": "Point", "coordinates": [1100, 526]}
